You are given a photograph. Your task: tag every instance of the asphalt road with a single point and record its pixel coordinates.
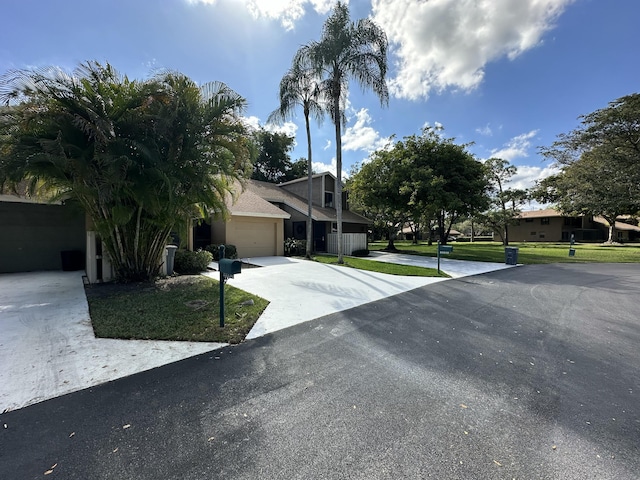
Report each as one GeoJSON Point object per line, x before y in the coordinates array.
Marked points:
{"type": "Point", "coordinates": [526, 373]}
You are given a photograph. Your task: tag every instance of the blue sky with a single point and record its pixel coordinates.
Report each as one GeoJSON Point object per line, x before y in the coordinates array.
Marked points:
{"type": "Point", "coordinates": [508, 75]}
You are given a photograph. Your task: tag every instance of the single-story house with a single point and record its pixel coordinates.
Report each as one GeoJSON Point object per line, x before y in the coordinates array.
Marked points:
{"type": "Point", "coordinates": [550, 225]}
{"type": "Point", "coordinates": [265, 214]}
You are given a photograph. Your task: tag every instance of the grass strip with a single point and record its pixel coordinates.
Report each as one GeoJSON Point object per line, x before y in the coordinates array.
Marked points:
{"type": "Point", "coordinates": [528, 253]}
{"type": "Point", "coordinates": [187, 309]}
{"type": "Point", "coordinates": [381, 267]}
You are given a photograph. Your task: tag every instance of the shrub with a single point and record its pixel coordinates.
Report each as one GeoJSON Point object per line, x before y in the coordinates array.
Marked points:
{"type": "Point", "coordinates": [295, 247]}
{"type": "Point", "coordinates": [360, 253]}
{"type": "Point", "coordinates": [188, 262]}
{"type": "Point", "coordinates": [230, 251]}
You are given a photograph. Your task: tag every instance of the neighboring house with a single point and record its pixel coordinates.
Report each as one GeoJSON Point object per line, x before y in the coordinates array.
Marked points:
{"type": "Point", "coordinates": [265, 214]}
{"type": "Point", "coordinates": [551, 226]}
{"type": "Point", "coordinates": [40, 236]}
{"type": "Point", "coordinates": [254, 226]}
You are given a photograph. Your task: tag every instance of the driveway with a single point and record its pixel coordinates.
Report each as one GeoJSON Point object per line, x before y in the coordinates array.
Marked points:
{"type": "Point", "coordinates": [523, 373]}
{"type": "Point", "coordinates": [47, 346]}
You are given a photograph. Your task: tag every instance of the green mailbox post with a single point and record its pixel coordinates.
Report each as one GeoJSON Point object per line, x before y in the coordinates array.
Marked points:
{"type": "Point", "coordinates": [227, 268]}
{"type": "Point", "coordinates": [443, 250]}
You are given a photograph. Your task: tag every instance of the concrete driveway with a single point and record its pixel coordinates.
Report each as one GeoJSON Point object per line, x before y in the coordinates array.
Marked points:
{"type": "Point", "coordinates": [47, 345]}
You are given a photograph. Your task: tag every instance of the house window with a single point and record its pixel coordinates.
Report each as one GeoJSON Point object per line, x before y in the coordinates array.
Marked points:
{"type": "Point", "coordinates": [541, 235]}
{"type": "Point", "coordinates": [328, 199]}
{"type": "Point", "coordinates": [528, 220]}
{"type": "Point", "coordinates": [544, 221]}
{"type": "Point", "coordinates": [533, 234]}
{"type": "Point", "coordinates": [334, 227]}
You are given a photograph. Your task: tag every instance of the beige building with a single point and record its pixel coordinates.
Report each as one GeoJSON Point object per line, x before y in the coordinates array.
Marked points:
{"type": "Point", "coordinates": [551, 226]}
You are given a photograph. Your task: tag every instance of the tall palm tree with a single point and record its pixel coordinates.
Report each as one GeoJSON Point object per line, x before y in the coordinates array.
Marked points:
{"type": "Point", "coordinates": [300, 87]}
{"type": "Point", "coordinates": [348, 50]}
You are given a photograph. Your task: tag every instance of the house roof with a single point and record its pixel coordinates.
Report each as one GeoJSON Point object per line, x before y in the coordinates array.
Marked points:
{"type": "Point", "coordinates": [304, 179]}
{"type": "Point", "coordinates": [619, 225]}
{"type": "Point", "coordinates": [548, 212]}
{"type": "Point", "coordinates": [24, 199]}
{"type": "Point", "coordinates": [274, 193]}
{"type": "Point", "coordinates": [249, 204]}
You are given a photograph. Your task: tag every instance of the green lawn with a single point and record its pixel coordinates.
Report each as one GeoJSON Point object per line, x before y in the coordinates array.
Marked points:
{"type": "Point", "coordinates": [528, 253]}
{"type": "Point", "coordinates": [179, 308]}
{"type": "Point", "coordinates": [381, 267]}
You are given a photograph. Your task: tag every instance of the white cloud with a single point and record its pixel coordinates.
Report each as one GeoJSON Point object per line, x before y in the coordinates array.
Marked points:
{"type": "Point", "coordinates": [321, 167]}
{"type": "Point", "coordinates": [288, 128]}
{"type": "Point", "coordinates": [286, 11]}
{"type": "Point", "coordinates": [517, 147]}
{"type": "Point", "coordinates": [252, 122]}
{"type": "Point", "coordinates": [328, 145]}
{"type": "Point", "coordinates": [443, 44]}
{"type": "Point", "coordinates": [486, 130]}
{"type": "Point", "coordinates": [361, 136]}
{"type": "Point", "coordinates": [527, 176]}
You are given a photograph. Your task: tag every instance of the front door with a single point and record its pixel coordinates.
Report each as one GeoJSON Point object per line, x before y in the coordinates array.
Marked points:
{"type": "Point", "coordinates": [319, 237]}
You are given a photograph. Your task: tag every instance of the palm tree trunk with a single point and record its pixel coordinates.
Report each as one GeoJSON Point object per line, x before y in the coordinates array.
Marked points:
{"type": "Point", "coordinates": [338, 189]}
{"type": "Point", "coordinates": [309, 189]}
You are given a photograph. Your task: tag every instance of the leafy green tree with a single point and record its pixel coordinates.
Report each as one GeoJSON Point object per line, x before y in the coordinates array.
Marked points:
{"type": "Point", "coordinates": [300, 88]}
{"type": "Point", "coordinates": [591, 186]}
{"type": "Point", "coordinates": [421, 178]}
{"type": "Point", "coordinates": [446, 181]}
{"type": "Point", "coordinates": [141, 157]}
{"type": "Point", "coordinates": [347, 50]}
{"type": "Point", "coordinates": [599, 164]}
{"type": "Point", "coordinates": [273, 161]}
{"type": "Point", "coordinates": [299, 169]}
{"type": "Point", "coordinates": [504, 202]}
{"type": "Point", "coordinates": [379, 189]}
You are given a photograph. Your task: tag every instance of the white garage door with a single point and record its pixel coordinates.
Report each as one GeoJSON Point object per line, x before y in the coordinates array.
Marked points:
{"type": "Point", "coordinates": [253, 237]}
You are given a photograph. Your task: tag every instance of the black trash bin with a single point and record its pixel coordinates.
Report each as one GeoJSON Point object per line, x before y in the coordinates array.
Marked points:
{"type": "Point", "coordinates": [511, 255]}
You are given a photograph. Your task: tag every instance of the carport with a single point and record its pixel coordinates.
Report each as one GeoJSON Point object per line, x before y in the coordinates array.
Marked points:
{"type": "Point", "coordinates": [35, 235]}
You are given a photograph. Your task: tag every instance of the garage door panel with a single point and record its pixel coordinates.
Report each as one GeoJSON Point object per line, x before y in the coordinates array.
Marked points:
{"type": "Point", "coordinates": [253, 238]}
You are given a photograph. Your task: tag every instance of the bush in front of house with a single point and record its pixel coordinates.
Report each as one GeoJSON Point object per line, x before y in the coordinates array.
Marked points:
{"type": "Point", "coordinates": [360, 253]}
{"type": "Point", "coordinates": [293, 247]}
{"type": "Point", "coordinates": [230, 251]}
{"type": "Point", "coordinates": [188, 262]}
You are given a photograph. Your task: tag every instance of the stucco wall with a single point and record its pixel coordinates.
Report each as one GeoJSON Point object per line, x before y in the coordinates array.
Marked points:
{"type": "Point", "coordinates": [536, 231]}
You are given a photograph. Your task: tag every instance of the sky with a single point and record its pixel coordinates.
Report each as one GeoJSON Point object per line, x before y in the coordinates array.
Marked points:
{"type": "Point", "coordinates": [506, 76]}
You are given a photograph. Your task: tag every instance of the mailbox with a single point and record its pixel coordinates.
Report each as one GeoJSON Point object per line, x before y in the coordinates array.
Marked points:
{"type": "Point", "coordinates": [229, 267]}
{"type": "Point", "coordinates": [446, 249]}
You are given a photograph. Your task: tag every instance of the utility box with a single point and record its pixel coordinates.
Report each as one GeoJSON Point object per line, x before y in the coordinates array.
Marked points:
{"type": "Point", "coordinates": [511, 255]}
{"type": "Point", "coordinates": [229, 267]}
